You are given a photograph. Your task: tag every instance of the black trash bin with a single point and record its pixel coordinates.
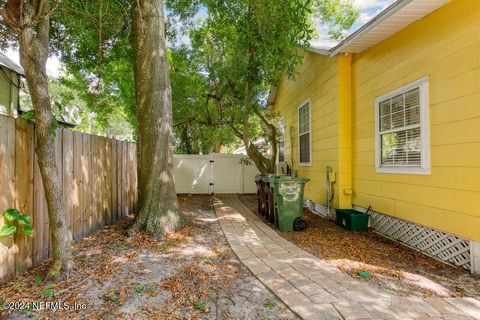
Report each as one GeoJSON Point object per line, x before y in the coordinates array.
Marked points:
{"type": "Point", "coordinates": [260, 194]}
{"type": "Point", "coordinates": [266, 195]}
{"type": "Point", "coordinates": [269, 201]}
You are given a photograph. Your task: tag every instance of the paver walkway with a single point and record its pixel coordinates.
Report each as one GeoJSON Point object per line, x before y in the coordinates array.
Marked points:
{"type": "Point", "coordinates": [313, 288]}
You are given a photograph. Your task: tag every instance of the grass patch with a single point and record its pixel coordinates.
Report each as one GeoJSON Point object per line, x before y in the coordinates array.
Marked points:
{"type": "Point", "coordinates": [47, 291]}
{"type": "Point", "coordinates": [270, 303]}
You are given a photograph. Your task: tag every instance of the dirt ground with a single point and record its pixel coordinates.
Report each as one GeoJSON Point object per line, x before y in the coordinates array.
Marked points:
{"type": "Point", "coordinates": [192, 275]}
{"type": "Point", "coordinates": [394, 268]}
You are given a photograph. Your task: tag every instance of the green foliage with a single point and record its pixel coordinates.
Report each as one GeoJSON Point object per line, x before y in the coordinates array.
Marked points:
{"type": "Point", "coordinates": [338, 15]}
{"type": "Point", "coordinates": [85, 261]}
{"type": "Point", "coordinates": [150, 288]}
{"type": "Point", "coordinates": [167, 244]}
{"type": "Point", "coordinates": [11, 214]}
{"type": "Point", "coordinates": [24, 219]}
{"type": "Point", "coordinates": [140, 288]}
{"type": "Point", "coordinates": [47, 291]}
{"type": "Point", "coordinates": [28, 230]}
{"type": "Point", "coordinates": [29, 116]}
{"type": "Point", "coordinates": [11, 217]}
{"type": "Point", "coordinates": [200, 305]}
{"type": "Point", "coordinates": [270, 303]}
{"type": "Point", "coordinates": [208, 75]}
{"type": "Point", "coordinates": [112, 297]}
{"type": "Point", "coordinates": [197, 116]}
{"type": "Point", "coordinates": [245, 162]}
{"type": "Point", "coordinates": [27, 311]}
{"type": "Point", "coordinates": [237, 52]}
{"type": "Point", "coordinates": [38, 280]}
{"type": "Point", "coordinates": [7, 230]}
{"type": "Point", "coordinates": [54, 124]}
{"type": "Point", "coordinates": [93, 40]}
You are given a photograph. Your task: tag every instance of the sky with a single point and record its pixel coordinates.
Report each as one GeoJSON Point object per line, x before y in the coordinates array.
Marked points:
{"type": "Point", "coordinates": [54, 67]}
{"type": "Point", "coordinates": [368, 10]}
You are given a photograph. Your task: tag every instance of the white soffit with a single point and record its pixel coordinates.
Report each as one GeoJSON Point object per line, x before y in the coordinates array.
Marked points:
{"type": "Point", "coordinates": [388, 22]}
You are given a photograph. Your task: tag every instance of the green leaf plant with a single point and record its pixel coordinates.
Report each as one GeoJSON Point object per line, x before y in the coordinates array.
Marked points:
{"type": "Point", "coordinates": [12, 219]}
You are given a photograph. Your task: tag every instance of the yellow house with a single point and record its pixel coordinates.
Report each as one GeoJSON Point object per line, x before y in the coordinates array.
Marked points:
{"type": "Point", "coordinates": [394, 112]}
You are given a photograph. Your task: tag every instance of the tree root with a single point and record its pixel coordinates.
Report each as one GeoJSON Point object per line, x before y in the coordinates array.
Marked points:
{"type": "Point", "coordinates": [60, 268]}
{"type": "Point", "coordinates": [55, 269]}
{"type": "Point", "coordinates": [157, 225]}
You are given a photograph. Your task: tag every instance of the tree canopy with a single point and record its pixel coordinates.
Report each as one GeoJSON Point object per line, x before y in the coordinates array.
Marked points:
{"type": "Point", "coordinates": [240, 49]}
{"type": "Point", "coordinates": [94, 42]}
{"type": "Point", "coordinates": [224, 56]}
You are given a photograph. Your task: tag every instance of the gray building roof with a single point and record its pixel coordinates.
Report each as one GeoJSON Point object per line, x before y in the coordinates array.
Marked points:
{"type": "Point", "coordinates": [9, 64]}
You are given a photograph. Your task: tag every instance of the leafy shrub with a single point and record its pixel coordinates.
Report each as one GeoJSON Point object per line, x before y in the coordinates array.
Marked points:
{"type": "Point", "coordinates": [14, 215]}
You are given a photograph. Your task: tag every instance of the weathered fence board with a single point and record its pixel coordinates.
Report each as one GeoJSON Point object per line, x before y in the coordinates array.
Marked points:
{"type": "Point", "coordinates": [98, 177]}
{"type": "Point", "coordinates": [24, 155]}
{"type": "Point", "coordinates": [7, 189]}
{"type": "Point", "coordinates": [84, 174]}
{"type": "Point", "coordinates": [67, 176]}
{"type": "Point", "coordinates": [77, 191]}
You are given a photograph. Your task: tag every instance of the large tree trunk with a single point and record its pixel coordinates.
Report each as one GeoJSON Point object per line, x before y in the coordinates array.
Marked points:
{"type": "Point", "coordinates": [263, 164]}
{"type": "Point", "coordinates": [33, 57]}
{"type": "Point", "coordinates": [159, 211]}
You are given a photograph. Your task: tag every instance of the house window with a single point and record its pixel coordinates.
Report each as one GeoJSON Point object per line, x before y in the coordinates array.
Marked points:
{"type": "Point", "coordinates": [304, 134]}
{"type": "Point", "coordinates": [402, 130]}
{"type": "Point", "coordinates": [281, 140]}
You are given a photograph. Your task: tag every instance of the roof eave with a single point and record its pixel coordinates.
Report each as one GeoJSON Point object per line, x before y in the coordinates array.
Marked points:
{"type": "Point", "coordinates": [324, 52]}
{"type": "Point", "coordinates": [272, 94]}
{"type": "Point", "coordinates": [385, 14]}
{"type": "Point", "coordinates": [9, 64]}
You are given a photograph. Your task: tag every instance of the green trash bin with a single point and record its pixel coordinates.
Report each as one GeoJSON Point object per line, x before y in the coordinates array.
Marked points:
{"type": "Point", "coordinates": [288, 202]}
{"type": "Point", "coordinates": [352, 219]}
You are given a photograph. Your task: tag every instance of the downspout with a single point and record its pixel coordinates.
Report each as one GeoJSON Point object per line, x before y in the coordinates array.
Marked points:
{"type": "Point", "coordinates": [293, 172]}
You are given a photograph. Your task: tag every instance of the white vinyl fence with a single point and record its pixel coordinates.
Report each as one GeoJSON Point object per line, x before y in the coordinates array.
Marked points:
{"type": "Point", "coordinates": [214, 173]}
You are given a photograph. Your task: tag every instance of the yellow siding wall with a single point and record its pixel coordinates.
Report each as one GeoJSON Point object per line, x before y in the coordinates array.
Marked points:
{"type": "Point", "coordinates": [317, 80]}
{"type": "Point", "coordinates": [344, 174]}
{"type": "Point", "coordinates": [445, 46]}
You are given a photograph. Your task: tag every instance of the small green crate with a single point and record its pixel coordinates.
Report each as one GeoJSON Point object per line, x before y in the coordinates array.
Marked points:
{"type": "Point", "coordinates": [352, 219]}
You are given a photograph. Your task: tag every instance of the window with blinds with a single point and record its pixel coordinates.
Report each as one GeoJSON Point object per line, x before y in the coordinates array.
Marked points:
{"type": "Point", "coordinates": [402, 129]}
{"type": "Point", "coordinates": [281, 140]}
{"type": "Point", "coordinates": [304, 148]}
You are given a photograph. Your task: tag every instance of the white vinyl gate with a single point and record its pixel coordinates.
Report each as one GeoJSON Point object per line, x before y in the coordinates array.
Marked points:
{"type": "Point", "coordinates": [214, 173]}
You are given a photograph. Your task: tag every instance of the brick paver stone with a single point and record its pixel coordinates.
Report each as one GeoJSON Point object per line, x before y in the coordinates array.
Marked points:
{"type": "Point", "coordinates": [315, 289]}
{"type": "Point", "coordinates": [351, 310]}
{"type": "Point", "coordinates": [470, 306]}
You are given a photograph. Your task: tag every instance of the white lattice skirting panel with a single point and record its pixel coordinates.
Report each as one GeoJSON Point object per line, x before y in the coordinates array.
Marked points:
{"type": "Point", "coordinates": [437, 244]}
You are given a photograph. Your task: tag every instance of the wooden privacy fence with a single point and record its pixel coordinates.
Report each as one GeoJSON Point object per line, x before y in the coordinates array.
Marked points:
{"type": "Point", "coordinates": [98, 177]}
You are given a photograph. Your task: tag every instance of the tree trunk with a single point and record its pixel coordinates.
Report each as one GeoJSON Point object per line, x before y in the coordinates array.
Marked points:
{"type": "Point", "coordinates": [33, 57]}
{"type": "Point", "coordinates": [158, 208]}
{"type": "Point", "coordinates": [263, 164]}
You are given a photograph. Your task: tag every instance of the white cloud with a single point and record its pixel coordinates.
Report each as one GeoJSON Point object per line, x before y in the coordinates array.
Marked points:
{"type": "Point", "coordinates": [323, 41]}
{"type": "Point", "coordinates": [368, 10]}
{"type": "Point", "coordinates": [369, 4]}
{"type": "Point", "coordinates": [364, 18]}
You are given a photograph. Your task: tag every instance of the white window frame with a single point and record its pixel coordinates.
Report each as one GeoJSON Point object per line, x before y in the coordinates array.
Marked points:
{"type": "Point", "coordinates": [424, 167]}
{"type": "Point", "coordinates": [309, 102]}
{"type": "Point", "coordinates": [281, 138]}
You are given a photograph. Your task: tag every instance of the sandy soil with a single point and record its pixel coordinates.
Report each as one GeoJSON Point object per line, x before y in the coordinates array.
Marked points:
{"type": "Point", "coordinates": [395, 268]}
{"type": "Point", "coordinates": [192, 275]}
